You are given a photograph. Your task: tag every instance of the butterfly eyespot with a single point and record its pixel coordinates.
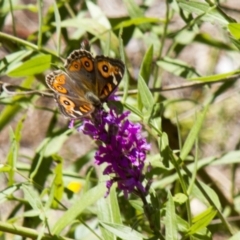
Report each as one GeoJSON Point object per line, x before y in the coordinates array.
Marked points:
{"type": "Point", "coordinates": [75, 66]}
{"type": "Point", "coordinates": [105, 68]}
{"type": "Point", "coordinates": [60, 79]}
{"type": "Point", "coordinates": [87, 64]}
{"type": "Point", "coordinates": [67, 103]}
{"type": "Point", "coordinates": [59, 88]}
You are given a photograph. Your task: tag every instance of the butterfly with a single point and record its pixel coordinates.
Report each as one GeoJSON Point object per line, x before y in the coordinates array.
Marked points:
{"type": "Point", "coordinates": [86, 82]}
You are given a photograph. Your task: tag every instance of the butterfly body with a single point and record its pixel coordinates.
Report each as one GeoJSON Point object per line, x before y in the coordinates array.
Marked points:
{"type": "Point", "coordinates": [85, 83]}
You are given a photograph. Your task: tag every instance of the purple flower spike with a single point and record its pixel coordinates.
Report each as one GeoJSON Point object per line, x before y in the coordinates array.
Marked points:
{"type": "Point", "coordinates": [123, 149]}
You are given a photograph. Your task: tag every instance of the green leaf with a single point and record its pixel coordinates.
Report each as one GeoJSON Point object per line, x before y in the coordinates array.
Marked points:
{"type": "Point", "coordinates": [227, 158]}
{"type": "Point", "coordinates": [125, 79]}
{"type": "Point", "coordinates": [78, 207]}
{"type": "Point", "coordinates": [211, 14]}
{"type": "Point", "coordinates": [137, 204]}
{"type": "Point", "coordinates": [12, 157]}
{"type": "Point", "coordinates": [217, 77]}
{"type": "Point", "coordinates": [234, 29]}
{"type": "Point", "coordinates": [9, 62]}
{"type": "Point", "coordinates": [180, 198]}
{"type": "Point", "coordinates": [137, 21]}
{"type": "Point", "coordinates": [202, 220]}
{"type": "Point", "coordinates": [170, 222]}
{"type": "Point", "coordinates": [58, 26]}
{"type": "Point", "coordinates": [210, 192]}
{"type": "Point", "coordinates": [97, 14]}
{"type": "Point", "coordinates": [209, 40]}
{"type": "Point", "coordinates": [10, 111]}
{"type": "Point", "coordinates": [108, 211]}
{"type": "Point", "coordinates": [146, 66]}
{"type": "Point", "coordinates": [191, 138]}
{"type": "Point", "coordinates": [145, 95]}
{"type": "Point", "coordinates": [133, 110]}
{"type": "Point", "coordinates": [33, 66]}
{"type": "Point", "coordinates": [33, 198]}
{"type": "Point", "coordinates": [94, 27]}
{"type": "Point", "coordinates": [115, 210]}
{"type": "Point", "coordinates": [58, 186]}
{"type": "Point", "coordinates": [133, 9]}
{"type": "Point", "coordinates": [122, 231]}
{"type": "Point", "coordinates": [177, 67]}
{"type": "Point", "coordinates": [4, 194]}
{"type": "Point", "coordinates": [164, 149]}
{"type": "Point", "coordinates": [54, 144]}
{"type": "Point", "coordinates": [185, 37]}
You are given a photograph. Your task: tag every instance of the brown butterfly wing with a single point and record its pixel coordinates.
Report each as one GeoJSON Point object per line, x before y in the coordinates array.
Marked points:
{"type": "Point", "coordinates": [80, 67]}
{"type": "Point", "coordinates": [69, 95]}
{"type": "Point", "coordinates": [109, 73]}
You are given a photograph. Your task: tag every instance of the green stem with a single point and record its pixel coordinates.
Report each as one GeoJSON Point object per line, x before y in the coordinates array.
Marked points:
{"type": "Point", "coordinates": [149, 213]}
{"type": "Point", "coordinates": [40, 24]}
{"type": "Point", "coordinates": [26, 232]}
{"type": "Point", "coordinates": [26, 43]}
{"type": "Point", "coordinates": [184, 188]}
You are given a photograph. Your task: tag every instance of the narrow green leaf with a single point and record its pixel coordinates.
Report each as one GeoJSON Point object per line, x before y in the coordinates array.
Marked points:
{"type": "Point", "coordinates": [40, 22]}
{"type": "Point", "coordinates": [145, 94]}
{"type": "Point", "coordinates": [211, 193]}
{"type": "Point", "coordinates": [133, 9]}
{"type": "Point", "coordinates": [234, 29]}
{"type": "Point", "coordinates": [202, 220]}
{"type": "Point", "coordinates": [97, 14]}
{"type": "Point", "coordinates": [115, 211]}
{"type": "Point", "coordinates": [58, 27]}
{"type": "Point", "coordinates": [122, 231]}
{"type": "Point", "coordinates": [9, 62]}
{"type": "Point", "coordinates": [94, 27]}
{"type": "Point", "coordinates": [58, 186]}
{"type": "Point", "coordinates": [133, 110]}
{"type": "Point", "coordinates": [207, 39]}
{"type": "Point", "coordinates": [125, 79]}
{"type": "Point", "coordinates": [54, 144]}
{"type": "Point", "coordinates": [217, 77]}
{"type": "Point", "coordinates": [33, 66]}
{"type": "Point", "coordinates": [185, 36]}
{"type": "Point", "coordinates": [11, 110]}
{"type": "Point", "coordinates": [136, 21]}
{"type": "Point", "coordinates": [178, 67]}
{"type": "Point", "coordinates": [211, 13]}
{"type": "Point", "coordinates": [137, 204]}
{"type": "Point", "coordinates": [13, 153]}
{"type": "Point", "coordinates": [108, 211]}
{"type": "Point", "coordinates": [227, 158]}
{"type": "Point", "coordinates": [146, 66]}
{"type": "Point", "coordinates": [76, 209]}
{"type": "Point", "coordinates": [32, 197]}
{"type": "Point", "coordinates": [191, 138]}
{"type": "Point", "coordinates": [170, 222]}
{"type": "Point", "coordinates": [164, 149]}
{"type": "Point", "coordinates": [4, 194]}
